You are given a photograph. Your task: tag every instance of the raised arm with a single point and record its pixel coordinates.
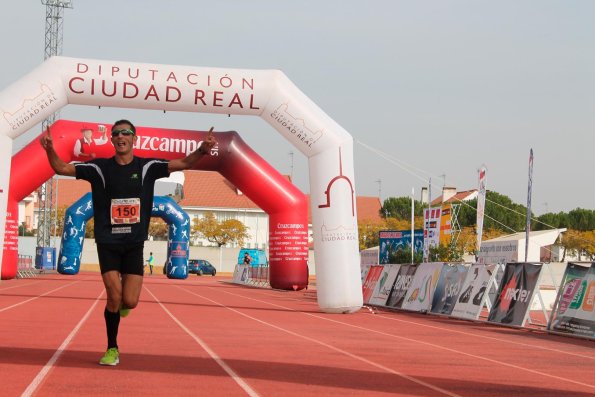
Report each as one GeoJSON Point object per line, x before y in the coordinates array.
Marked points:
{"type": "Point", "coordinates": [59, 166]}
{"type": "Point", "coordinates": [188, 162]}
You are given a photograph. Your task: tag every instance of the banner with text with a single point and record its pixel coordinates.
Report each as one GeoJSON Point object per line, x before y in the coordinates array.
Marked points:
{"type": "Point", "coordinates": [421, 291]}
{"type": "Point", "coordinates": [431, 230]}
{"type": "Point", "coordinates": [474, 291]}
{"type": "Point", "coordinates": [448, 287]}
{"type": "Point", "coordinates": [371, 279]}
{"type": "Point", "coordinates": [401, 285]}
{"type": "Point", "coordinates": [574, 312]}
{"type": "Point", "coordinates": [515, 294]}
{"type": "Point", "coordinates": [393, 243]}
{"type": "Point", "coordinates": [384, 285]}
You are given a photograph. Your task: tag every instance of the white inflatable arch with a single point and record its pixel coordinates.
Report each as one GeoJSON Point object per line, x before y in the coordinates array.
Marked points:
{"type": "Point", "coordinates": [266, 93]}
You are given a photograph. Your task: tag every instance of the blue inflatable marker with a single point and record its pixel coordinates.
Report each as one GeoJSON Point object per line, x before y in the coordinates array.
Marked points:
{"type": "Point", "coordinates": [178, 243]}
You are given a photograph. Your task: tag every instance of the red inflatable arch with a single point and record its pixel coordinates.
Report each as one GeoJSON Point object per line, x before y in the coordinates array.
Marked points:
{"type": "Point", "coordinates": [285, 204]}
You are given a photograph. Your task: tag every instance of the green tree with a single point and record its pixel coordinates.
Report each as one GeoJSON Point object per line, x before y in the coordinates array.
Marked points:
{"type": "Point", "coordinates": [220, 233]}
{"type": "Point", "coordinates": [581, 219]}
{"type": "Point", "coordinates": [400, 208]}
{"type": "Point", "coordinates": [445, 253]}
{"type": "Point", "coordinates": [551, 220]}
{"type": "Point", "coordinates": [501, 213]}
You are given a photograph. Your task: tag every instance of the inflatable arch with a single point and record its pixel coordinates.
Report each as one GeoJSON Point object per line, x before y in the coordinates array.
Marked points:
{"type": "Point", "coordinates": [282, 201]}
{"type": "Point", "coordinates": [75, 222]}
{"type": "Point", "coordinates": [268, 94]}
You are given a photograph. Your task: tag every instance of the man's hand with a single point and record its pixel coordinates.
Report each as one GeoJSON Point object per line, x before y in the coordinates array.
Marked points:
{"type": "Point", "coordinates": [189, 161]}
{"type": "Point", "coordinates": [208, 143]}
{"type": "Point", "coordinates": [46, 141]}
{"type": "Point", "coordinates": [59, 166]}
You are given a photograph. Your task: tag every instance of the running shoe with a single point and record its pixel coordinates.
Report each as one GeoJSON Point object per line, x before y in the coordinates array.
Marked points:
{"type": "Point", "coordinates": [124, 312]}
{"type": "Point", "coordinates": [111, 357]}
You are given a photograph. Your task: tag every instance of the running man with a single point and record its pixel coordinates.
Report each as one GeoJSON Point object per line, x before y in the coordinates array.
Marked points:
{"type": "Point", "coordinates": [122, 190]}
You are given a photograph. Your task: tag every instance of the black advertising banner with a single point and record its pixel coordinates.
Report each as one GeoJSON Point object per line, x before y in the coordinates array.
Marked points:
{"type": "Point", "coordinates": [448, 288]}
{"type": "Point", "coordinates": [401, 285]}
{"type": "Point", "coordinates": [515, 294]}
{"type": "Point", "coordinates": [574, 312]}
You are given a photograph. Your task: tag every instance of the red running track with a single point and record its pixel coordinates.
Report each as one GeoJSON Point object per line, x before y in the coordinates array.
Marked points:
{"type": "Point", "coordinates": [205, 336]}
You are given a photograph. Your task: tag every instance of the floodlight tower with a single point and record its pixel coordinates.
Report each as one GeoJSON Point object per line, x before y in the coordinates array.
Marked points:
{"type": "Point", "coordinates": [54, 18]}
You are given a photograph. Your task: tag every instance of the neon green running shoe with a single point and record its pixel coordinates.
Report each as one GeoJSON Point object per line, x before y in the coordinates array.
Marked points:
{"type": "Point", "coordinates": [124, 312]}
{"type": "Point", "coordinates": [111, 357]}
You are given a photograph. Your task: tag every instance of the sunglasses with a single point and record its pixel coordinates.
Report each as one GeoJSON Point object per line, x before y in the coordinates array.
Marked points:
{"type": "Point", "coordinates": [122, 132]}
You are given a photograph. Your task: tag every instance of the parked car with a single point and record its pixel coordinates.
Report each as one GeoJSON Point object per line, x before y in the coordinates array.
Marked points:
{"type": "Point", "coordinates": [200, 267]}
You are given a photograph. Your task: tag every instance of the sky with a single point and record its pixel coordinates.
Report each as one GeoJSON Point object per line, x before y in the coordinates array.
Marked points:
{"type": "Point", "coordinates": [429, 90]}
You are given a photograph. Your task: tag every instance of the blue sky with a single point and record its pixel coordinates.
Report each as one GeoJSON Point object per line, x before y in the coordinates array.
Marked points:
{"type": "Point", "coordinates": [442, 86]}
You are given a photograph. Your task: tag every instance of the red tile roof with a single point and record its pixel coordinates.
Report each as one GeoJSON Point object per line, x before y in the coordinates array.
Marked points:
{"type": "Point", "coordinates": [211, 190]}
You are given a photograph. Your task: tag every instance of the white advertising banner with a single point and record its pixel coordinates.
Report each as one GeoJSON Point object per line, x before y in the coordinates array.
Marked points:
{"type": "Point", "coordinates": [474, 291]}
{"type": "Point", "coordinates": [431, 230]}
{"type": "Point", "coordinates": [384, 285]}
{"type": "Point", "coordinates": [421, 291]}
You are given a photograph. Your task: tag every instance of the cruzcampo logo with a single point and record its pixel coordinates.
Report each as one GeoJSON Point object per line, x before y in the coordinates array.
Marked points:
{"type": "Point", "coordinates": [134, 176]}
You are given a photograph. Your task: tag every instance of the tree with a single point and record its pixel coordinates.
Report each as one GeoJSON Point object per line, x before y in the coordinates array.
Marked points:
{"type": "Point", "coordinates": [220, 233]}
{"type": "Point", "coordinates": [400, 208]}
{"type": "Point", "coordinates": [581, 219]}
{"type": "Point", "coordinates": [579, 243]}
{"type": "Point", "coordinates": [445, 253]}
{"type": "Point", "coordinates": [368, 233]}
{"type": "Point", "coordinates": [500, 213]}
{"type": "Point", "coordinates": [158, 229]}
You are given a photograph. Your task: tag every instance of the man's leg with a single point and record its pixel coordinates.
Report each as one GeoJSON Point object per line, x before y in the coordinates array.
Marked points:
{"type": "Point", "coordinates": [131, 287]}
{"type": "Point", "coordinates": [111, 314]}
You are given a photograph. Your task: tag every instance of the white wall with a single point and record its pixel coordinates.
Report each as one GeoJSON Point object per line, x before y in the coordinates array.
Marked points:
{"type": "Point", "coordinates": [224, 260]}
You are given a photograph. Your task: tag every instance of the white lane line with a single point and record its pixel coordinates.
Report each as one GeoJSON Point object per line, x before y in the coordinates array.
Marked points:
{"type": "Point", "coordinates": [532, 346]}
{"type": "Point", "coordinates": [36, 297]}
{"type": "Point", "coordinates": [336, 349]}
{"type": "Point", "coordinates": [488, 337]}
{"type": "Point", "coordinates": [19, 285]}
{"type": "Point", "coordinates": [238, 379]}
{"type": "Point", "coordinates": [426, 343]}
{"type": "Point", "coordinates": [44, 371]}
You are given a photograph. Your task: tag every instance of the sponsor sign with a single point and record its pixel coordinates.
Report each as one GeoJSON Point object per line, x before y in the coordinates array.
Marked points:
{"type": "Point", "coordinates": [574, 312]}
{"type": "Point", "coordinates": [448, 287]}
{"type": "Point", "coordinates": [446, 224]}
{"type": "Point", "coordinates": [401, 285]}
{"type": "Point", "coordinates": [421, 291]}
{"type": "Point", "coordinates": [391, 242]}
{"type": "Point", "coordinates": [431, 230]}
{"type": "Point", "coordinates": [384, 285]}
{"type": "Point", "coordinates": [474, 291]}
{"type": "Point", "coordinates": [515, 294]}
{"type": "Point", "coordinates": [370, 283]}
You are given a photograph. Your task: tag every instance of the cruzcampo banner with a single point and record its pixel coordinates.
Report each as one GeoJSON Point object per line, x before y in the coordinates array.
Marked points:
{"type": "Point", "coordinates": [515, 294]}
{"type": "Point", "coordinates": [473, 294]}
{"type": "Point", "coordinates": [401, 285]}
{"type": "Point", "coordinates": [448, 287]}
{"type": "Point", "coordinates": [574, 313]}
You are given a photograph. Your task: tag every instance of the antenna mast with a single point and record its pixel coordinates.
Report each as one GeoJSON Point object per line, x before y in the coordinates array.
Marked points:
{"type": "Point", "coordinates": [54, 11]}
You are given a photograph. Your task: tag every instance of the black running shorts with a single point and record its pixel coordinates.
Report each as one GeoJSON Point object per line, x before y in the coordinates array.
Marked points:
{"type": "Point", "coordinates": [125, 258]}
